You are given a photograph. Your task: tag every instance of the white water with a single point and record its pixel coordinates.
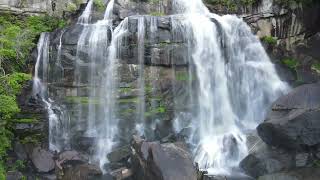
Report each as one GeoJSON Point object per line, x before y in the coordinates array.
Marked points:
{"type": "Point", "coordinates": [109, 92]}
{"type": "Point", "coordinates": [237, 83]}
{"type": "Point", "coordinates": [40, 80]}
{"type": "Point", "coordinates": [141, 81]}
{"type": "Point", "coordinates": [86, 15]}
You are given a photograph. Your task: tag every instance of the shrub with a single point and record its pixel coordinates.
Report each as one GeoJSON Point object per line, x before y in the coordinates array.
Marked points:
{"type": "Point", "coordinates": [290, 62]}
{"type": "Point", "coordinates": [269, 40]}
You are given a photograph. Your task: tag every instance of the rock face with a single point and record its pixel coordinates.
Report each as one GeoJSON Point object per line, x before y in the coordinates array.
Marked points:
{"type": "Point", "coordinates": [51, 7]}
{"type": "Point", "coordinates": [294, 122]}
{"type": "Point", "coordinates": [300, 174]}
{"type": "Point", "coordinates": [289, 144]}
{"type": "Point", "coordinates": [152, 160]}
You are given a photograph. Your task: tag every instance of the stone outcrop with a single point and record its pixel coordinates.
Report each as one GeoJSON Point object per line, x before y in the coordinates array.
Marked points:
{"type": "Point", "coordinates": [170, 161]}
{"type": "Point", "coordinates": [42, 160]}
{"type": "Point", "coordinates": [34, 7]}
{"type": "Point", "coordinates": [289, 146]}
{"type": "Point", "coordinates": [294, 122]}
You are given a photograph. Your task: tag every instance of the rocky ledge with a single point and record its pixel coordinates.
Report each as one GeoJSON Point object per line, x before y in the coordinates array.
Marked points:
{"type": "Point", "coordinates": [289, 147]}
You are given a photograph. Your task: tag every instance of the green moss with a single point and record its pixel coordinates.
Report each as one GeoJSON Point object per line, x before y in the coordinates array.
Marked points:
{"type": "Point", "coordinates": [316, 67]}
{"type": "Point", "coordinates": [182, 76]}
{"type": "Point", "coordinates": [32, 139]}
{"type": "Point", "coordinates": [82, 100]}
{"type": "Point", "coordinates": [269, 40]}
{"type": "Point", "coordinates": [157, 14]}
{"type": "Point", "coordinates": [28, 121]}
{"type": "Point", "coordinates": [291, 63]}
{"type": "Point", "coordinates": [125, 90]}
{"type": "Point", "coordinates": [129, 100]}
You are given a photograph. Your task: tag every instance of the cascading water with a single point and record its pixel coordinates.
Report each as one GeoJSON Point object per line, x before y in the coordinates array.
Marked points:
{"type": "Point", "coordinates": [56, 130]}
{"type": "Point", "coordinates": [237, 82]}
{"type": "Point", "coordinates": [231, 82]}
{"type": "Point", "coordinates": [141, 81]}
{"type": "Point", "coordinates": [86, 15]}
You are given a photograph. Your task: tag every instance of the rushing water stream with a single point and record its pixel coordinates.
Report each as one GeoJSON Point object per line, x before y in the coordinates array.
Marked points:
{"type": "Point", "coordinates": [236, 82]}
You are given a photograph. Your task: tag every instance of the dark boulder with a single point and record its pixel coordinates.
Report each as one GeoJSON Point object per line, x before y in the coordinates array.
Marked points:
{"type": "Point", "coordinates": [294, 122]}
{"type": "Point", "coordinates": [120, 154]}
{"type": "Point", "coordinates": [42, 160]}
{"type": "Point", "coordinates": [81, 172]}
{"type": "Point", "coordinates": [170, 161]}
{"type": "Point", "coordinates": [298, 174]}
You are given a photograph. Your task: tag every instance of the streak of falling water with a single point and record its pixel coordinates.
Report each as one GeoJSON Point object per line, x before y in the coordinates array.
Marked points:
{"type": "Point", "coordinates": [39, 90]}
{"type": "Point", "coordinates": [141, 80]}
{"type": "Point", "coordinates": [86, 15]}
{"type": "Point", "coordinates": [237, 83]}
{"type": "Point", "coordinates": [109, 91]}
{"type": "Point", "coordinates": [97, 51]}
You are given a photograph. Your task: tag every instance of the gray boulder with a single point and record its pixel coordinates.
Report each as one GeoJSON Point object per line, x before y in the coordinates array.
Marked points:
{"type": "Point", "coordinates": [299, 174]}
{"type": "Point", "coordinates": [42, 160]}
{"type": "Point", "coordinates": [170, 161]}
{"type": "Point", "coordinates": [294, 122]}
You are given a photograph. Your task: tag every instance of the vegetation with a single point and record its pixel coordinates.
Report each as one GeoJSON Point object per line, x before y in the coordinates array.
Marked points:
{"type": "Point", "coordinates": [99, 4]}
{"type": "Point", "coordinates": [291, 63]}
{"type": "Point", "coordinates": [18, 36]}
{"type": "Point", "coordinates": [269, 40]}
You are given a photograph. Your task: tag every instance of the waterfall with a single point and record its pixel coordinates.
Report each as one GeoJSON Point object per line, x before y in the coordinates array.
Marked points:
{"type": "Point", "coordinates": [141, 81]}
{"type": "Point", "coordinates": [237, 83]}
{"type": "Point", "coordinates": [86, 15]}
{"type": "Point", "coordinates": [57, 131]}
{"type": "Point", "coordinates": [231, 82]}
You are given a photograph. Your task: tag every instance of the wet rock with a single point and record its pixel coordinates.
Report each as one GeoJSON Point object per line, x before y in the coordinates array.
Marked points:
{"type": "Point", "coordinates": [294, 122]}
{"type": "Point", "coordinates": [42, 160]}
{"type": "Point", "coordinates": [20, 150]}
{"type": "Point", "coordinates": [265, 160]}
{"type": "Point", "coordinates": [81, 172]}
{"type": "Point", "coordinates": [14, 175]}
{"type": "Point", "coordinates": [302, 159]}
{"type": "Point", "coordinates": [120, 154]}
{"type": "Point", "coordinates": [170, 161]}
{"type": "Point", "coordinates": [70, 157]}
{"type": "Point", "coordinates": [121, 173]}
{"type": "Point", "coordinates": [298, 174]}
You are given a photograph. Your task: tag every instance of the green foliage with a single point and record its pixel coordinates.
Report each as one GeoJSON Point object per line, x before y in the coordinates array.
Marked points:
{"type": "Point", "coordinates": [291, 63]}
{"type": "Point", "coordinates": [8, 107]}
{"type": "Point", "coordinates": [269, 40]}
{"type": "Point", "coordinates": [18, 37]}
{"type": "Point", "coordinates": [99, 4]}
{"type": "Point", "coordinates": [18, 165]}
{"type": "Point", "coordinates": [11, 84]}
